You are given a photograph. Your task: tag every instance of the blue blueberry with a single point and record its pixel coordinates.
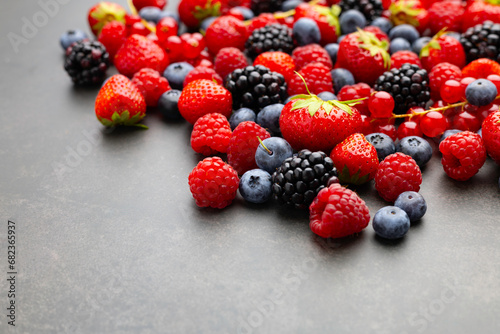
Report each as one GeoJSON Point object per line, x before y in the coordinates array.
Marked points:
{"type": "Point", "coordinates": [207, 22]}
{"type": "Point", "coordinates": [405, 31]}
{"type": "Point", "coordinates": [340, 38]}
{"type": "Point", "coordinates": [176, 73]}
{"type": "Point", "coordinates": [332, 49]}
{"type": "Point", "coordinates": [306, 31]}
{"type": "Point", "coordinates": [168, 104]}
{"type": "Point", "coordinates": [391, 222]}
{"type": "Point", "coordinates": [448, 133]}
{"type": "Point", "coordinates": [290, 4]}
{"type": "Point", "coordinates": [417, 148]}
{"type": "Point", "coordinates": [279, 150]}
{"type": "Point", "coordinates": [480, 132]}
{"type": "Point", "coordinates": [413, 204]}
{"type": "Point", "coordinates": [288, 99]}
{"type": "Point", "coordinates": [351, 20]}
{"type": "Point", "coordinates": [383, 144]}
{"type": "Point", "coordinates": [72, 36]}
{"type": "Point", "coordinates": [150, 14]}
{"type": "Point", "coordinates": [241, 115]}
{"type": "Point", "coordinates": [255, 186]}
{"type": "Point", "coordinates": [269, 118]}
{"type": "Point", "coordinates": [327, 96]}
{"type": "Point", "coordinates": [419, 43]}
{"type": "Point", "coordinates": [481, 92]}
{"type": "Point", "coordinates": [246, 12]}
{"type": "Point", "coordinates": [341, 77]}
{"type": "Point", "coordinates": [167, 13]}
{"type": "Point", "coordinates": [384, 24]}
{"type": "Point", "coordinates": [454, 34]}
{"type": "Point", "coordinates": [399, 44]}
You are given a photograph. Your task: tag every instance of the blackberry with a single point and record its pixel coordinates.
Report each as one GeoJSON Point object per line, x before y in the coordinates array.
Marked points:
{"type": "Point", "coordinates": [265, 6]}
{"type": "Point", "coordinates": [86, 62]}
{"type": "Point", "coordinates": [255, 87]}
{"type": "Point", "coordinates": [482, 41]}
{"type": "Point", "coordinates": [371, 9]}
{"type": "Point", "coordinates": [273, 37]}
{"type": "Point", "coordinates": [408, 85]}
{"type": "Point", "coordinates": [300, 178]}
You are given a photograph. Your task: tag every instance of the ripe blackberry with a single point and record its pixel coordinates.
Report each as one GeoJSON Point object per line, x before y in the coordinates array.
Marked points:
{"type": "Point", "coordinates": [482, 41]}
{"type": "Point", "coordinates": [265, 6]}
{"type": "Point", "coordinates": [408, 85]}
{"type": "Point", "coordinates": [273, 37]}
{"type": "Point", "coordinates": [255, 87]}
{"type": "Point", "coordinates": [300, 178]}
{"type": "Point", "coordinates": [371, 9]}
{"type": "Point", "coordinates": [86, 62]}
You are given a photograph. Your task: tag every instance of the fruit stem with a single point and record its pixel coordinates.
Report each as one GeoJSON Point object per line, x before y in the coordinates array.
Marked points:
{"type": "Point", "coordinates": [262, 143]}
{"type": "Point", "coordinates": [133, 10]}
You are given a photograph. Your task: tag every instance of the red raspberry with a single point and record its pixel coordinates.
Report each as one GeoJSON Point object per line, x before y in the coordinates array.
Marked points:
{"type": "Point", "coordinates": [317, 77]}
{"type": "Point", "coordinates": [213, 183]}
{"type": "Point", "coordinates": [491, 135]}
{"type": "Point", "coordinates": [226, 31]}
{"type": "Point", "coordinates": [203, 72]}
{"type": "Point", "coordinates": [445, 14]}
{"type": "Point", "coordinates": [211, 134]}
{"type": "Point", "coordinates": [481, 68]}
{"type": "Point", "coordinates": [112, 36]}
{"type": "Point", "coordinates": [397, 173]}
{"type": "Point", "coordinates": [243, 144]}
{"type": "Point", "coordinates": [229, 59]}
{"type": "Point", "coordinates": [402, 57]}
{"type": "Point", "coordinates": [151, 84]}
{"type": "Point", "coordinates": [261, 21]}
{"type": "Point", "coordinates": [440, 73]}
{"type": "Point", "coordinates": [277, 61]}
{"type": "Point", "coordinates": [312, 53]}
{"type": "Point", "coordinates": [338, 212]}
{"type": "Point", "coordinates": [463, 155]}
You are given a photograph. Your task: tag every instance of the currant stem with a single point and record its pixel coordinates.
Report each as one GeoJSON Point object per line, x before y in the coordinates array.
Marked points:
{"type": "Point", "coordinates": [262, 143]}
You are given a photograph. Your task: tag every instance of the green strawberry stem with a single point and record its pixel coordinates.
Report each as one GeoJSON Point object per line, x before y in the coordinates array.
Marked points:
{"type": "Point", "coordinates": [432, 44]}
{"type": "Point", "coordinates": [264, 146]}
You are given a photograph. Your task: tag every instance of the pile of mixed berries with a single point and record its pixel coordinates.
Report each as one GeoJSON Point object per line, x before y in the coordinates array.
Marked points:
{"type": "Point", "coordinates": [305, 100]}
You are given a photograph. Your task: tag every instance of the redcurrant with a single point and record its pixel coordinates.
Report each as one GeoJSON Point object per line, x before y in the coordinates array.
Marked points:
{"type": "Point", "coordinates": [381, 105]}
{"type": "Point", "coordinates": [433, 124]}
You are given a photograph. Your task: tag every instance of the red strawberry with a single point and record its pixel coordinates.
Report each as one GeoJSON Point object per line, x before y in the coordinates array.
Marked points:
{"type": "Point", "coordinates": [202, 72]}
{"type": "Point", "coordinates": [481, 68]}
{"type": "Point", "coordinates": [491, 135]}
{"type": "Point", "coordinates": [103, 13]}
{"type": "Point", "coordinates": [277, 61]}
{"type": "Point", "coordinates": [446, 14]}
{"type": "Point", "coordinates": [119, 102]}
{"type": "Point", "coordinates": [317, 77]}
{"type": "Point", "coordinates": [228, 60]}
{"type": "Point", "coordinates": [139, 52]}
{"type": "Point", "coordinates": [201, 97]}
{"type": "Point", "coordinates": [151, 84]}
{"type": "Point", "coordinates": [326, 18]}
{"type": "Point", "coordinates": [192, 12]}
{"type": "Point", "coordinates": [364, 55]}
{"type": "Point", "coordinates": [139, 4]}
{"type": "Point", "coordinates": [355, 159]}
{"type": "Point", "coordinates": [112, 36]}
{"type": "Point", "coordinates": [312, 53]}
{"type": "Point", "coordinates": [226, 31]}
{"type": "Point", "coordinates": [442, 48]}
{"type": "Point", "coordinates": [410, 12]}
{"type": "Point", "coordinates": [479, 11]}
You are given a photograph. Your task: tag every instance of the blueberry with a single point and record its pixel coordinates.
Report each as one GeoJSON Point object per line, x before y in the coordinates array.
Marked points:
{"type": "Point", "coordinates": [384, 24]}
{"type": "Point", "coordinates": [341, 77]}
{"type": "Point", "coordinates": [327, 96]}
{"type": "Point", "coordinates": [288, 99]}
{"type": "Point", "coordinates": [290, 4]}
{"type": "Point", "coordinates": [167, 13]}
{"type": "Point", "coordinates": [279, 150]}
{"type": "Point", "coordinates": [176, 73]}
{"type": "Point", "coordinates": [167, 104]}
{"type": "Point", "coordinates": [481, 92]}
{"type": "Point", "coordinates": [72, 36]}
{"type": "Point", "coordinates": [340, 38]}
{"type": "Point", "coordinates": [405, 31]}
{"type": "Point", "coordinates": [448, 133]}
{"type": "Point", "coordinates": [241, 115]}
{"type": "Point", "coordinates": [391, 222]}
{"type": "Point", "coordinates": [150, 14]}
{"type": "Point", "coordinates": [399, 44]}
{"type": "Point", "coordinates": [306, 31]}
{"type": "Point", "coordinates": [246, 12]}
{"type": "Point", "coordinates": [269, 118]}
{"type": "Point", "coordinates": [351, 20]}
{"type": "Point", "coordinates": [417, 148]}
{"type": "Point", "coordinates": [255, 186]}
{"type": "Point", "coordinates": [480, 132]}
{"type": "Point", "coordinates": [454, 34]}
{"type": "Point", "coordinates": [419, 44]}
{"type": "Point", "coordinates": [413, 204]}
{"type": "Point", "coordinates": [207, 22]}
{"type": "Point", "coordinates": [383, 144]}
{"type": "Point", "coordinates": [332, 49]}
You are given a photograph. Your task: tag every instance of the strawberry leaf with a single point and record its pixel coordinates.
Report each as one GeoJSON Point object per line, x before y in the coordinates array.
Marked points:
{"type": "Point", "coordinates": [299, 104]}
{"type": "Point", "coordinates": [342, 106]}
{"type": "Point", "coordinates": [328, 108]}
{"type": "Point", "coordinates": [300, 96]}
{"type": "Point", "coordinates": [314, 107]}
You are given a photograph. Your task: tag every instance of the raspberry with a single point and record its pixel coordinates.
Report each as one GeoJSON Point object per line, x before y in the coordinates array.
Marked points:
{"type": "Point", "coordinates": [211, 134]}
{"type": "Point", "coordinates": [317, 77]}
{"type": "Point", "coordinates": [481, 68]}
{"type": "Point", "coordinates": [261, 21]}
{"type": "Point", "coordinates": [213, 183]}
{"type": "Point", "coordinates": [402, 57]}
{"type": "Point", "coordinates": [112, 36]}
{"type": "Point", "coordinates": [151, 84]}
{"type": "Point", "coordinates": [203, 72]}
{"type": "Point", "coordinates": [442, 72]}
{"type": "Point", "coordinates": [312, 53]}
{"type": "Point", "coordinates": [463, 155]}
{"type": "Point", "coordinates": [277, 61]}
{"type": "Point", "coordinates": [445, 14]}
{"type": "Point", "coordinates": [229, 59]}
{"type": "Point", "coordinates": [243, 144]}
{"type": "Point", "coordinates": [491, 135]}
{"type": "Point", "coordinates": [397, 173]}
{"type": "Point", "coordinates": [338, 212]}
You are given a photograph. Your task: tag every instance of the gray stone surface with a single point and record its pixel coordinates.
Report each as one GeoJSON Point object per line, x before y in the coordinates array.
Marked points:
{"type": "Point", "coordinates": [115, 244]}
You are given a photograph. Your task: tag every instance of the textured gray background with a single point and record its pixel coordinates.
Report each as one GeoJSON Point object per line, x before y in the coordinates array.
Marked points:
{"type": "Point", "coordinates": [115, 244]}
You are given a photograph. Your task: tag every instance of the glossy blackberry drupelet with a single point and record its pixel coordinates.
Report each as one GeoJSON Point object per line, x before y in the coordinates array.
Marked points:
{"type": "Point", "coordinates": [482, 41]}
{"type": "Point", "coordinates": [255, 87]}
{"type": "Point", "coordinates": [300, 178]}
{"type": "Point", "coordinates": [87, 62]}
{"type": "Point", "coordinates": [408, 85]}
{"type": "Point", "coordinates": [265, 6]}
{"type": "Point", "coordinates": [371, 9]}
{"type": "Point", "coordinates": [274, 37]}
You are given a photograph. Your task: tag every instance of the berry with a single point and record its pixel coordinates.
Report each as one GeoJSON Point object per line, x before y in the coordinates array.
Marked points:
{"type": "Point", "coordinates": [381, 105]}
{"type": "Point", "coordinates": [86, 62]}
{"type": "Point", "coordinates": [229, 59]}
{"type": "Point", "coordinates": [306, 31]}
{"type": "Point", "coordinates": [451, 91]}
{"type": "Point", "coordinates": [442, 72]}
{"type": "Point", "coordinates": [370, 9]}
{"type": "Point", "coordinates": [150, 14]}
{"type": "Point", "coordinates": [482, 41]}
{"type": "Point", "coordinates": [338, 212]}
{"type": "Point", "coordinates": [274, 37]}
{"type": "Point", "coordinates": [243, 144]}
{"type": "Point", "coordinates": [413, 204]}
{"type": "Point", "coordinates": [341, 77]}
{"type": "Point", "coordinates": [400, 58]}
{"type": "Point", "coordinates": [491, 135]}
{"type": "Point", "coordinates": [192, 44]}
{"type": "Point", "coordinates": [417, 148]}
{"type": "Point", "coordinates": [356, 91]}
{"type": "Point", "coordinates": [409, 14]}
{"type": "Point", "coordinates": [192, 12]}
{"type": "Point", "coordinates": [391, 223]}
{"type": "Point", "coordinates": [300, 178]}
{"type": "Point", "coordinates": [271, 153]}
{"type": "Point", "coordinates": [276, 61]}
{"type": "Point", "coordinates": [202, 72]}
{"type": "Point", "coordinates": [442, 48]}
{"type": "Point", "coordinates": [433, 124]}
{"type": "Point", "coordinates": [479, 12]}
{"type": "Point", "coordinates": [151, 85]}
{"type": "Point", "coordinates": [481, 92]}
{"type": "Point", "coordinates": [312, 53]}
{"type": "Point", "coordinates": [104, 12]}
{"type": "Point", "coordinates": [290, 4]}
{"type": "Point", "coordinates": [242, 115]}
{"type": "Point", "coordinates": [448, 133]}
{"type": "Point", "coordinates": [213, 183]}
{"type": "Point", "coordinates": [226, 31]}
{"type": "Point", "coordinates": [72, 36]}
{"type": "Point", "coordinates": [405, 31]}
{"type": "Point", "coordinates": [261, 21]}
{"type": "Point", "coordinates": [176, 74]}
{"type": "Point", "coordinates": [495, 78]}
{"type": "Point", "coordinates": [351, 20]}
{"type": "Point", "coordinates": [246, 12]}
{"type": "Point", "coordinates": [327, 96]}
{"type": "Point", "coordinates": [409, 128]}
{"type": "Point", "coordinates": [396, 174]}
{"type": "Point", "coordinates": [211, 134]}
{"type": "Point", "coordinates": [419, 44]}
{"type": "Point", "coordinates": [463, 155]}
{"type": "Point", "coordinates": [265, 6]}
{"type": "Point", "coordinates": [383, 144]}
{"type": "Point", "coordinates": [112, 36]}
{"type": "Point", "coordinates": [399, 44]}
{"type": "Point", "coordinates": [332, 49]}
{"type": "Point", "coordinates": [255, 186]}
{"type": "Point", "coordinates": [317, 77]}
{"type": "Point", "coordinates": [327, 20]}
{"type": "Point", "coordinates": [382, 23]}
{"type": "Point", "coordinates": [269, 118]}
{"type": "Point", "coordinates": [139, 4]}
{"type": "Point", "coordinates": [481, 68]}
{"type": "Point", "coordinates": [445, 14]}
{"type": "Point", "coordinates": [168, 104]}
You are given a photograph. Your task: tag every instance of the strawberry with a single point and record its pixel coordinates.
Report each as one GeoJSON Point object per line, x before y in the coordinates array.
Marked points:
{"type": "Point", "coordinates": [446, 14]}
{"type": "Point", "coordinates": [119, 102]}
{"type": "Point", "coordinates": [139, 52]}
{"type": "Point", "coordinates": [139, 4]}
{"type": "Point", "coordinates": [481, 68]}
{"type": "Point", "coordinates": [410, 12]}
{"type": "Point", "coordinates": [364, 55]}
{"type": "Point", "coordinates": [479, 11]}
{"type": "Point", "coordinates": [226, 31]}
{"type": "Point", "coordinates": [112, 36]}
{"type": "Point", "coordinates": [192, 12]}
{"type": "Point", "coordinates": [491, 135]}
{"type": "Point", "coordinates": [103, 13]}
{"type": "Point", "coordinates": [202, 72]}
{"type": "Point", "coordinates": [442, 48]}
{"type": "Point", "coordinates": [355, 159]}
{"type": "Point", "coordinates": [326, 18]}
